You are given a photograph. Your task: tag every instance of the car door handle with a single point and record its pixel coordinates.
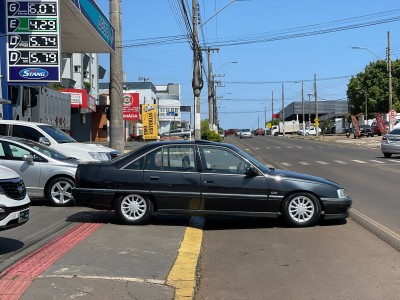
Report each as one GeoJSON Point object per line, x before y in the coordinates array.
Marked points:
{"type": "Point", "coordinates": [208, 181]}
{"type": "Point", "coordinates": [154, 177]}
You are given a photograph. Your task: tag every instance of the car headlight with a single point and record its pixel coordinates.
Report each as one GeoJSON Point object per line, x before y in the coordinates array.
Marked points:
{"type": "Point", "coordinates": [341, 194]}
{"type": "Point", "coordinates": [103, 156]}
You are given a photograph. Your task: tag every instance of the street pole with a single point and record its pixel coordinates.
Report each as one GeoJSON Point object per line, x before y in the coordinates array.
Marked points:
{"type": "Point", "coordinates": [197, 83]}
{"type": "Point", "coordinates": [272, 108]}
{"type": "Point", "coordinates": [116, 74]}
{"type": "Point", "coordinates": [389, 66]}
{"type": "Point", "coordinates": [302, 107]}
{"type": "Point", "coordinates": [283, 111]}
{"type": "Point", "coordinates": [316, 103]}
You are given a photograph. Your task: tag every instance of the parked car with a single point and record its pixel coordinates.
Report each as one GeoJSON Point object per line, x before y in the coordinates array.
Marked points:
{"type": "Point", "coordinates": [312, 131]}
{"type": "Point", "coordinates": [245, 133]}
{"type": "Point", "coordinates": [204, 178]}
{"type": "Point", "coordinates": [180, 132]}
{"type": "Point", "coordinates": [47, 173]}
{"type": "Point", "coordinates": [375, 128]}
{"type": "Point", "coordinates": [230, 132]}
{"type": "Point", "coordinates": [259, 131]}
{"type": "Point", "coordinates": [390, 143]}
{"type": "Point", "coordinates": [365, 130]}
{"type": "Point", "coordinates": [14, 201]}
{"type": "Point", "coordinates": [57, 139]}
{"type": "Point", "coordinates": [300, 132]}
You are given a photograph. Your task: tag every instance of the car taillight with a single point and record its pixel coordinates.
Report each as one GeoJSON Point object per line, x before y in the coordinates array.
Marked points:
{"type": "Point", "coordinates": [384, 138]}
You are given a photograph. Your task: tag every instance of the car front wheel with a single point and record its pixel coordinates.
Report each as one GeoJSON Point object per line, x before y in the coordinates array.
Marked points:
{"type": "Point", "coordinates": [59, 191]}
{"type": "Point", "coordinates": [134, 209]}
{"type": "Point", "coordinates": [387, 155]}
{"type": "Point", "coordinates": [301, 209]}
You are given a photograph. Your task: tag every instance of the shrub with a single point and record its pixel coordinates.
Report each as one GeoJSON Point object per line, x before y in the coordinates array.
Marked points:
{"type": "Point", "coordinates": [211, 136]}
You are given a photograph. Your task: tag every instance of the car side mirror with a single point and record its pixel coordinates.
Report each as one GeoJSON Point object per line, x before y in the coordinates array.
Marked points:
{"type": "Point", "coordinates": [251, 171]}
{"type": "Point", "coordinates": [28, 158]}
{"type": "Point", "coordinates": [44, 140]}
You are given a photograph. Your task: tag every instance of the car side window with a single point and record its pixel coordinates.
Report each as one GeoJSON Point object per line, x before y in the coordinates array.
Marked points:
{"type": "Point", "coordinates": [172, 158]}
{"type": "Point", "coordinates": [26, 132]}
{"type": "Point", "coordinates": [220, 160]}
{"type": "Point", "coordinates": [136, 165]}
{"type": "Point", "coordinates": [14, 152]}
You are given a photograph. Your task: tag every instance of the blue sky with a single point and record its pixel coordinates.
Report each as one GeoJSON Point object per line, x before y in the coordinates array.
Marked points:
{"type": "Point", "coordinates": [262, 66]}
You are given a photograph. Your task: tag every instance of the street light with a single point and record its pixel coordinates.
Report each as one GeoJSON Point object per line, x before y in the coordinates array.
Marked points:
{"type": "Point", "coordinates": [228, 62]}
{"type": "Point", "coordinates": [220, 11]}
{"type": "Point", "coordinates": [389, 70]}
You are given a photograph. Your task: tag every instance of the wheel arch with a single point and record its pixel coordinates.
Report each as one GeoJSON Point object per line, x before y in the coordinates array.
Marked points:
{"type": "Point", "coordinates": [46, 186]}
{"type": "Point", "coordinates": [301, 191]}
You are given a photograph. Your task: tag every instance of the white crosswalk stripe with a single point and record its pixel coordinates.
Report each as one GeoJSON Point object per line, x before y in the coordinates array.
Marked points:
{"type": "Point", "coordinates": [359, 161]}
{"type": "Point", "coordinates": [377, 161]}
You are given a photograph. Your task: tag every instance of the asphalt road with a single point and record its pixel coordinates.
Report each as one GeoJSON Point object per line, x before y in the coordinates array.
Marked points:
{"type": "Point", "coordinates": [241, 258]}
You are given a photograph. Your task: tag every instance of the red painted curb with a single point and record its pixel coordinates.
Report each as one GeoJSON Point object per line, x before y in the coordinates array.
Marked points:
{"type": "Point", "coordinates": [17, 278]}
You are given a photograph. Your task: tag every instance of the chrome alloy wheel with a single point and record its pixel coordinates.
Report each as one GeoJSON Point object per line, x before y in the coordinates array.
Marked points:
{"type": "Point", "coordinates": [133, 207]}
{"type": "Point", "coordinates": [301, 209]}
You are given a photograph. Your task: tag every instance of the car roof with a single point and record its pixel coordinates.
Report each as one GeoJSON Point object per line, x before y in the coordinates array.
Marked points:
{"type": "Point", "coordinates": [21, 122]}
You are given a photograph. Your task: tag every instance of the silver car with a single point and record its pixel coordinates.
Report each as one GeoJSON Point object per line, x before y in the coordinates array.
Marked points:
{"type": "Point", "coordinates": [391, 143]}
{"type": "Point", "coordinates": [46, 172]}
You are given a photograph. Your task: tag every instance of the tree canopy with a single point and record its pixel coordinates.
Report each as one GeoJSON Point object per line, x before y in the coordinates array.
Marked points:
{"type": "Point", "coordinates": [372, 84]}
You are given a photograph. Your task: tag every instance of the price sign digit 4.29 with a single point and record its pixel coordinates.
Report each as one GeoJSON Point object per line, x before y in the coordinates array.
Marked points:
{"type": "Point", "coordinates": [33, 40]}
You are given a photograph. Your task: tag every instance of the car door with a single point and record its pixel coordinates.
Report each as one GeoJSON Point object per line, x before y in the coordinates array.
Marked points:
{"type": "Point", "coordinates": [170, 174]}
{"type": "Point", "coordinates": [11, 157]}
{"type": "Point", "coordinates": [226, 187]}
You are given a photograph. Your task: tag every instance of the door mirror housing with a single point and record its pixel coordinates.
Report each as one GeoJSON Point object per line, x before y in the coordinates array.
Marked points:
{"type": "Point", "coordinates": [44, 140]}
{"type": "Point", "coordinates": [251, 171]}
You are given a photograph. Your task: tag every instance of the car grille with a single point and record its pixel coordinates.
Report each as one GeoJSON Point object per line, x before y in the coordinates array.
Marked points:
{"type": "Point", "coordinates": [13, 188]}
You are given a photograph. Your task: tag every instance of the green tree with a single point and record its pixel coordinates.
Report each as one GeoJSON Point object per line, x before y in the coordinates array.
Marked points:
{"type": "Point", "coordinates": [373, 84]}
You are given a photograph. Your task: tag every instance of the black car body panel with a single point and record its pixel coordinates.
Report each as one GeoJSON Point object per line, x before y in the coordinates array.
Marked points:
{"type": "Point", "coordinates": [220, 179]}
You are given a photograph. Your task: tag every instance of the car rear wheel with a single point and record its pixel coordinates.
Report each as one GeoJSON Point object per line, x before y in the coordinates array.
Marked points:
{"type": "Point", "coordinates": [387, 155]}
{"type": "Point", "coordinates": [301, 209]}
{"type": "Point", "coordinates": [59, 191]}
{"type": "Point", "coordinates": [134, 209]}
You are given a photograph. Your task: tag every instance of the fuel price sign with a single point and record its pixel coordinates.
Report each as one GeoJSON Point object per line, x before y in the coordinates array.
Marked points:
{"type": "Point", "coordinates": [33, 40]}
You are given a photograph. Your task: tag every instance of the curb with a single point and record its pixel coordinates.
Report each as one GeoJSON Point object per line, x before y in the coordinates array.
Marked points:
{"type": "Point", "coordinates": [382, 232]}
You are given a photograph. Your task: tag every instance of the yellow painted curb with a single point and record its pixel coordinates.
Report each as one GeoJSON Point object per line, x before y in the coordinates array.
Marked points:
{"type": "Point", "coordinates": [183, 273]}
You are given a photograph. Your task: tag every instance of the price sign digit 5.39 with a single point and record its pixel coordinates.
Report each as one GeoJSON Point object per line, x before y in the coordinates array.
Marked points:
{"type": "Point", "coordinates": [33, 47]}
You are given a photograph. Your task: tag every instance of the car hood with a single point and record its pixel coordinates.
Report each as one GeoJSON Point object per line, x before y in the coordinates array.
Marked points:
{"type": "Point", "coordinates": [6, 173]}
{"type": "Point", "coordinates": [305, 177]}
{"type": "Point", "coordinates": [86, 147]}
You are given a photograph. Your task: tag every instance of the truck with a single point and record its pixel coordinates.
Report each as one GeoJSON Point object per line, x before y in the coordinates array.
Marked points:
{"type": "Point", "coordinates": [287, 127]}
{"type": "Point", "coordinates": [41, 104]}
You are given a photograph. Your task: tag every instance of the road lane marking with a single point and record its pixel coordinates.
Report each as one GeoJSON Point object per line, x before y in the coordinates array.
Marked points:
{"type": "Point", "coordinates": [304, 163]}
{"type": "Point", "coordinates": [340, 162]}
{"type": "Point", "coordinates": [378, 161]}
{"type": "Point", "coordinates": [286, 164]}
{"type": "Point", "coordinates": [183, 273]}
{"type": "Point", "coordinates": [359, 161]}
{"type": "Point", "coordinates": [322, 162]}
{"type": "Point", "coordinates": [394, 160]}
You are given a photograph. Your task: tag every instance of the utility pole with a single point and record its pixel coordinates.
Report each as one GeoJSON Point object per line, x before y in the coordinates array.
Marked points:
{"type": "Point", "coordinates": [272, 108]}
{"type": "Point", "coordinates": [197, 83]}
{"type": "Point", "coordinates": [309, 109]}
{"type": "Point", "coordinates": [283, 111]}
{"type": "Point", "coordinates": [302, 107]}
{"type": "Point", "coordinates": [211, 91]}
{"type": "Point", "coordinates": [316, 104]}
{"type": "Point", "coordinates": [389, 66]}
{"type": "Point", "coordinates": [116, 74]}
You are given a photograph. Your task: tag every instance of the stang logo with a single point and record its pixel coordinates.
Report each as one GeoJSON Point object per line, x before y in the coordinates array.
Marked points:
{"type": "Point", "coordinates": [33, 73]}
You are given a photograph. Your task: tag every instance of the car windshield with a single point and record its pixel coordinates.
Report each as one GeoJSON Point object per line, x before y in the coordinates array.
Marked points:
{"type": "Point", "coordinates": [57, 134]}
{"type": "Point", "coordinates": [255, 162]}
{"type": "Point", "coordinates": [395, 131]}
{"type": "Point", "coordinates": [50, 152]}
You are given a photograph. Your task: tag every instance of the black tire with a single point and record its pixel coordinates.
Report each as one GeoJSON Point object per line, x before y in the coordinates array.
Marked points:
{"type": "Point", "coordinates": [387, 155]}
{"type": "Point", "coordinates": [134, 209]}
{"type": "Point", "coordinates": [301, 210]}
{"type": "Point", "coordinates": [59, 191]}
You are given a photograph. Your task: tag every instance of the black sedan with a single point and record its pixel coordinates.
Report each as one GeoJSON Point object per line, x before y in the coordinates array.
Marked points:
{"type": "Point", "coordinates": [204, 178]}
